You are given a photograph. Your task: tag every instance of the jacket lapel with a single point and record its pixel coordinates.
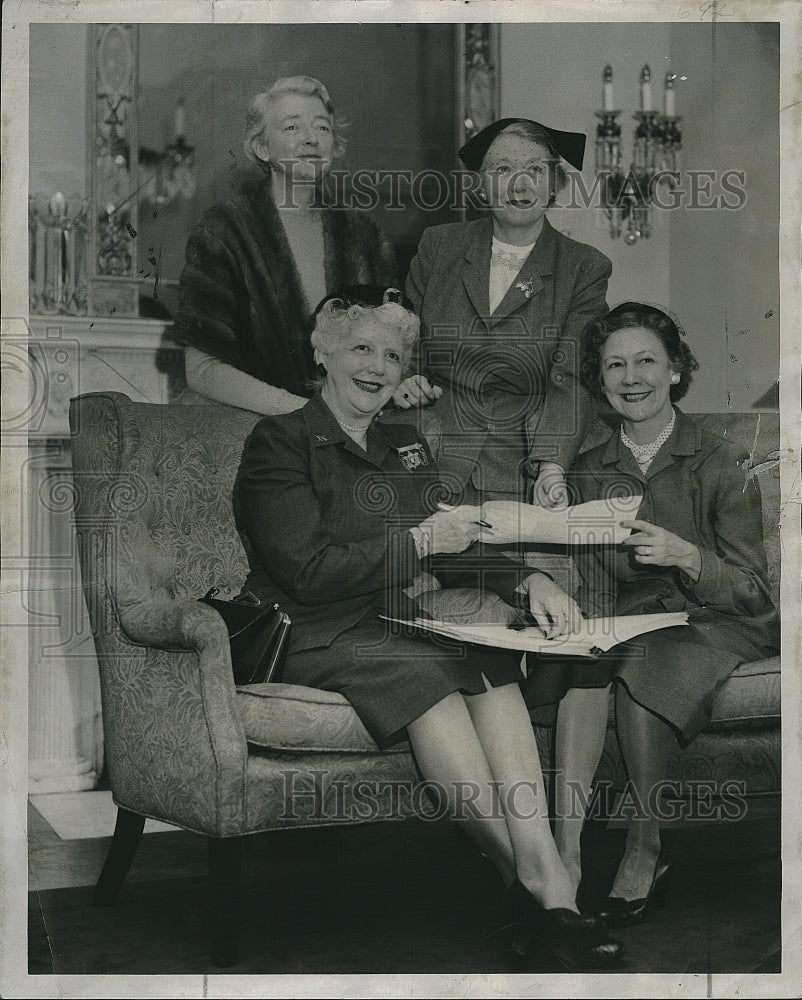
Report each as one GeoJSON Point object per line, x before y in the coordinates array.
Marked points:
{"type": "Point", "coordinates": [476, 270]}
{"type": "Point", "coordinates": [527, 282]}
{"type": "Point", "coordinates": [685, 440]}
{"type": "Point", "coordinates": [325, 432]}
{"type": "Point", "coordinates": [616, 453]}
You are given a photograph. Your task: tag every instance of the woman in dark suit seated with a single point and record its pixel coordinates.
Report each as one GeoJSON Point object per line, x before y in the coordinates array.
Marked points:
{"type": "Point", "coordinates": [339, 516]}
{"type": "Point", "coordinates": [503, 301]}
{"type": "Point", "coordinates": [696, 546]}
{"type": "Point", "coordinates": [257, 264]}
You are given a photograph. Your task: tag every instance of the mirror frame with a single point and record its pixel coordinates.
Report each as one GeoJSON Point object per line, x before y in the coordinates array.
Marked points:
{"type": "Point", "coordinates": [113, 282]}
{"type": "Point", "coordinates": [113, 153]}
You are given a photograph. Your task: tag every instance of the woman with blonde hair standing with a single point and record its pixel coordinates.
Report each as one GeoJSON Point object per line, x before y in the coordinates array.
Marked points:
{"type": "Point", "coordinates": [257, 264]}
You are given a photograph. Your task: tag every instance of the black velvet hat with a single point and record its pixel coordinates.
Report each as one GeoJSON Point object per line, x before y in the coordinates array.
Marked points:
{"type": "Point", "coordinates": [569, 145]}
{"type": "Point", "coordinates": [368, 295]}
{"type": "Point", "coordinates": [364, 295]}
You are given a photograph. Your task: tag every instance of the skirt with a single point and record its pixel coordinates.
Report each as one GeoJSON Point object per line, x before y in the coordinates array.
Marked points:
{"type": "Point", "coordinates": [673, 672]}
{"type": "Point", "coordinates": [391, 678]}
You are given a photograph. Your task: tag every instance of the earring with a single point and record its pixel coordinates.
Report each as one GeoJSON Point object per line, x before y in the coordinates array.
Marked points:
{"type": "Point", "coordinates": [321, 369]}
{"type": "Point", "coordinates": [675, 378]}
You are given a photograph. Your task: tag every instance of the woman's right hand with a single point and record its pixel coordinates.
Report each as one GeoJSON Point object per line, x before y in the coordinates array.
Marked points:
{"type": "Point", "coordinates": [556, 612]}
{"type": "Point", "coordinates": [416, 390]}
{"type": "Point", "coordinates": [451, 530]}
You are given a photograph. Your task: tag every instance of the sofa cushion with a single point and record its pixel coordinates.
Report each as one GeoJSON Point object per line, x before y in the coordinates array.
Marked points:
{"type": "Point", "coordinates": [750, 696]}
{"type": "Point", "coordinates": [291, 717]}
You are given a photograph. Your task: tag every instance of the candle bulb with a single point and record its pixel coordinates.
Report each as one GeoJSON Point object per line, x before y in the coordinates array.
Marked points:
{"type": "Point", "coordinates": [58, 205]}
{"type": "Point", "coordinates": [607, 78]}
{"type": "Point", "coordinates": [646, 89]}
{"type": "Point", "coordinates": [179, 120]}
{"type": "Point", "coordinates": [669, 109]}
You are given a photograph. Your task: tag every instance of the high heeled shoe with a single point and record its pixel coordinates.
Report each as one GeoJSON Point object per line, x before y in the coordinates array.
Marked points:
{"type": "Point", "coordinates": [619, 912]}
{"type": "Point", "coordinates": [578, 942]}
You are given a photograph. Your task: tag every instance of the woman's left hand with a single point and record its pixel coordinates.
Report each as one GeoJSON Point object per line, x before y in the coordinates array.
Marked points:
{"type": "Point", "coordinates": [655, 546]}
{"type": "Point", "coordinates": [550, 489]}
{"type": "Point", "coordinates": [554, 611]}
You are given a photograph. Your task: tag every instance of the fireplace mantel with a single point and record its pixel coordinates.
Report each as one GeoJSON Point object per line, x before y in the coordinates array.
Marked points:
{"type": "Point", "coordinates": [62, 357]}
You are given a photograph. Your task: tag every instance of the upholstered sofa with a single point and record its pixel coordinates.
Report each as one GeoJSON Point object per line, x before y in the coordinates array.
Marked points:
{"type": "Point", "coordinates": [742, 741]}
{"type": "Point", "coordinates": [154, 521]}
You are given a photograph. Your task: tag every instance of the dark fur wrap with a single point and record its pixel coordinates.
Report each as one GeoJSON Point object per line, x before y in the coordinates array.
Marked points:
{"type": "Point", "coordinates": [240, 294]}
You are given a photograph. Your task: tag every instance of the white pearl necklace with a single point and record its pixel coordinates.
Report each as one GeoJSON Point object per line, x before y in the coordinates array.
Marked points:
{"type": "Point", "coordinates": [645, 453]}
{"type": "Point", "coordinates": [345, 426]}
{"type": "Point", "coordinates": [353, 430]}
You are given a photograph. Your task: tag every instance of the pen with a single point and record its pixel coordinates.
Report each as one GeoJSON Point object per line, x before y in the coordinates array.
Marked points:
{"type": "Point", "coordinates": [448, 507]}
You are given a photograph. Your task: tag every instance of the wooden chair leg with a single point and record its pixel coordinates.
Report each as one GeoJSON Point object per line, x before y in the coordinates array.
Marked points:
{"type": "Point", "coordinates": [225, 867]}
{"type": "Point", "coordinates": [127, 834]}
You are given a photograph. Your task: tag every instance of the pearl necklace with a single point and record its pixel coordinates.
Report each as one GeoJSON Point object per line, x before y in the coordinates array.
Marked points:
{"type": "Point", "coordinates": [345, 427]}
{"type": "Point", "coordinates": [645, 453]}
{"type": "Point", "coordinates": [353, 430]}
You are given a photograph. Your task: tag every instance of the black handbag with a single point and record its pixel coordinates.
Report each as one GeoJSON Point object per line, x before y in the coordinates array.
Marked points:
{"type": "Point", "coordinates": [258, 636]}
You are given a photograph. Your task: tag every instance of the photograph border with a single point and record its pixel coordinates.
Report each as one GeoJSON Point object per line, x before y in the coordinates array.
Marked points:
{"type": "Point", "coordinates": [17, 17]}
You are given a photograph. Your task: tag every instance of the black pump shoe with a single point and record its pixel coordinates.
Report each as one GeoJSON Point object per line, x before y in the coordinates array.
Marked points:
{"type": "Point", "coordinates": [619, 912]}
{"type": "Point", "coordinates": [578, 942]}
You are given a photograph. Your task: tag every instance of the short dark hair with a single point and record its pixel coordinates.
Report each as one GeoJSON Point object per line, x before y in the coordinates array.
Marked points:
{"type": "Point", "coordinates": [637, 314]}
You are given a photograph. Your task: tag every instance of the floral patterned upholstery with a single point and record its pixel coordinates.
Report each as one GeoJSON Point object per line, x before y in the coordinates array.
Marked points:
{"type": "Point", "coordinates": [152, 496]}
{"type": "Point", "coordinates": [153, 486]}
{"type": "Point", "coordinates": [289, 717]}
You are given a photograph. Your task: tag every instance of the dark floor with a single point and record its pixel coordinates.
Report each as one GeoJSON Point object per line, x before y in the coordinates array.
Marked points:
{"type": "Point", "coordinates": [406, 897]}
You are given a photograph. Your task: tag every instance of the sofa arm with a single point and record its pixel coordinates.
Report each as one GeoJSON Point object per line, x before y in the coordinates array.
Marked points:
{"type": "Point", "coordinates": [181, 753]}
{"type": "Point", "coordinates": [179, 625]}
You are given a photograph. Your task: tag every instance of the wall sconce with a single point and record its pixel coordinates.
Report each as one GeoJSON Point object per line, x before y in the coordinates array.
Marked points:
{"type": "Point", "coordinates": [57, 252]}
{"type": "Point", "coordinates": [168, 175]}
{"type": "Point", "coordinates": [656, 148]}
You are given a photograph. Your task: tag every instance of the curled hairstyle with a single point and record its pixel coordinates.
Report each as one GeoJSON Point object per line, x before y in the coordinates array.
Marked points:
{"type": "Point", "coordinates": [259, 108]}
{"type": "Point", "coordinates": [333, 320]}
{"type": "Point", "coordinates": [631, 315]}
{"type": "Point", "coordinates": [529, 130]}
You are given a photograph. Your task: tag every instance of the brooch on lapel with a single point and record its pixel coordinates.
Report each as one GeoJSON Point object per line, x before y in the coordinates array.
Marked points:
{"type": "Point", "coordinates": [413, 456]}
{"type": "Point", "coordinates": [527, 287]}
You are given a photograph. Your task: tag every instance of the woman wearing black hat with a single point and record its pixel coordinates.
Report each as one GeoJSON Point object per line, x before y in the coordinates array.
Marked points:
{"type": "Point", "coordinates": [502, 301]}
{"type": "Point", "coordinates": [340, 516]}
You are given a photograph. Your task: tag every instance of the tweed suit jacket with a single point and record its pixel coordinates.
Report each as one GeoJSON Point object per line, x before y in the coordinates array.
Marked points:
{"type": "Point", "coordinates": [325, 524]}
{"type": "Point", "coordinates": [512, 396]}
{"type": "Point", "coordinates": [696, 487]}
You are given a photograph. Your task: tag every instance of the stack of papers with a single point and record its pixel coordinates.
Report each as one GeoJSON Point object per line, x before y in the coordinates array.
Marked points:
{"type": "Point", "coordinates": [594, 636]}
